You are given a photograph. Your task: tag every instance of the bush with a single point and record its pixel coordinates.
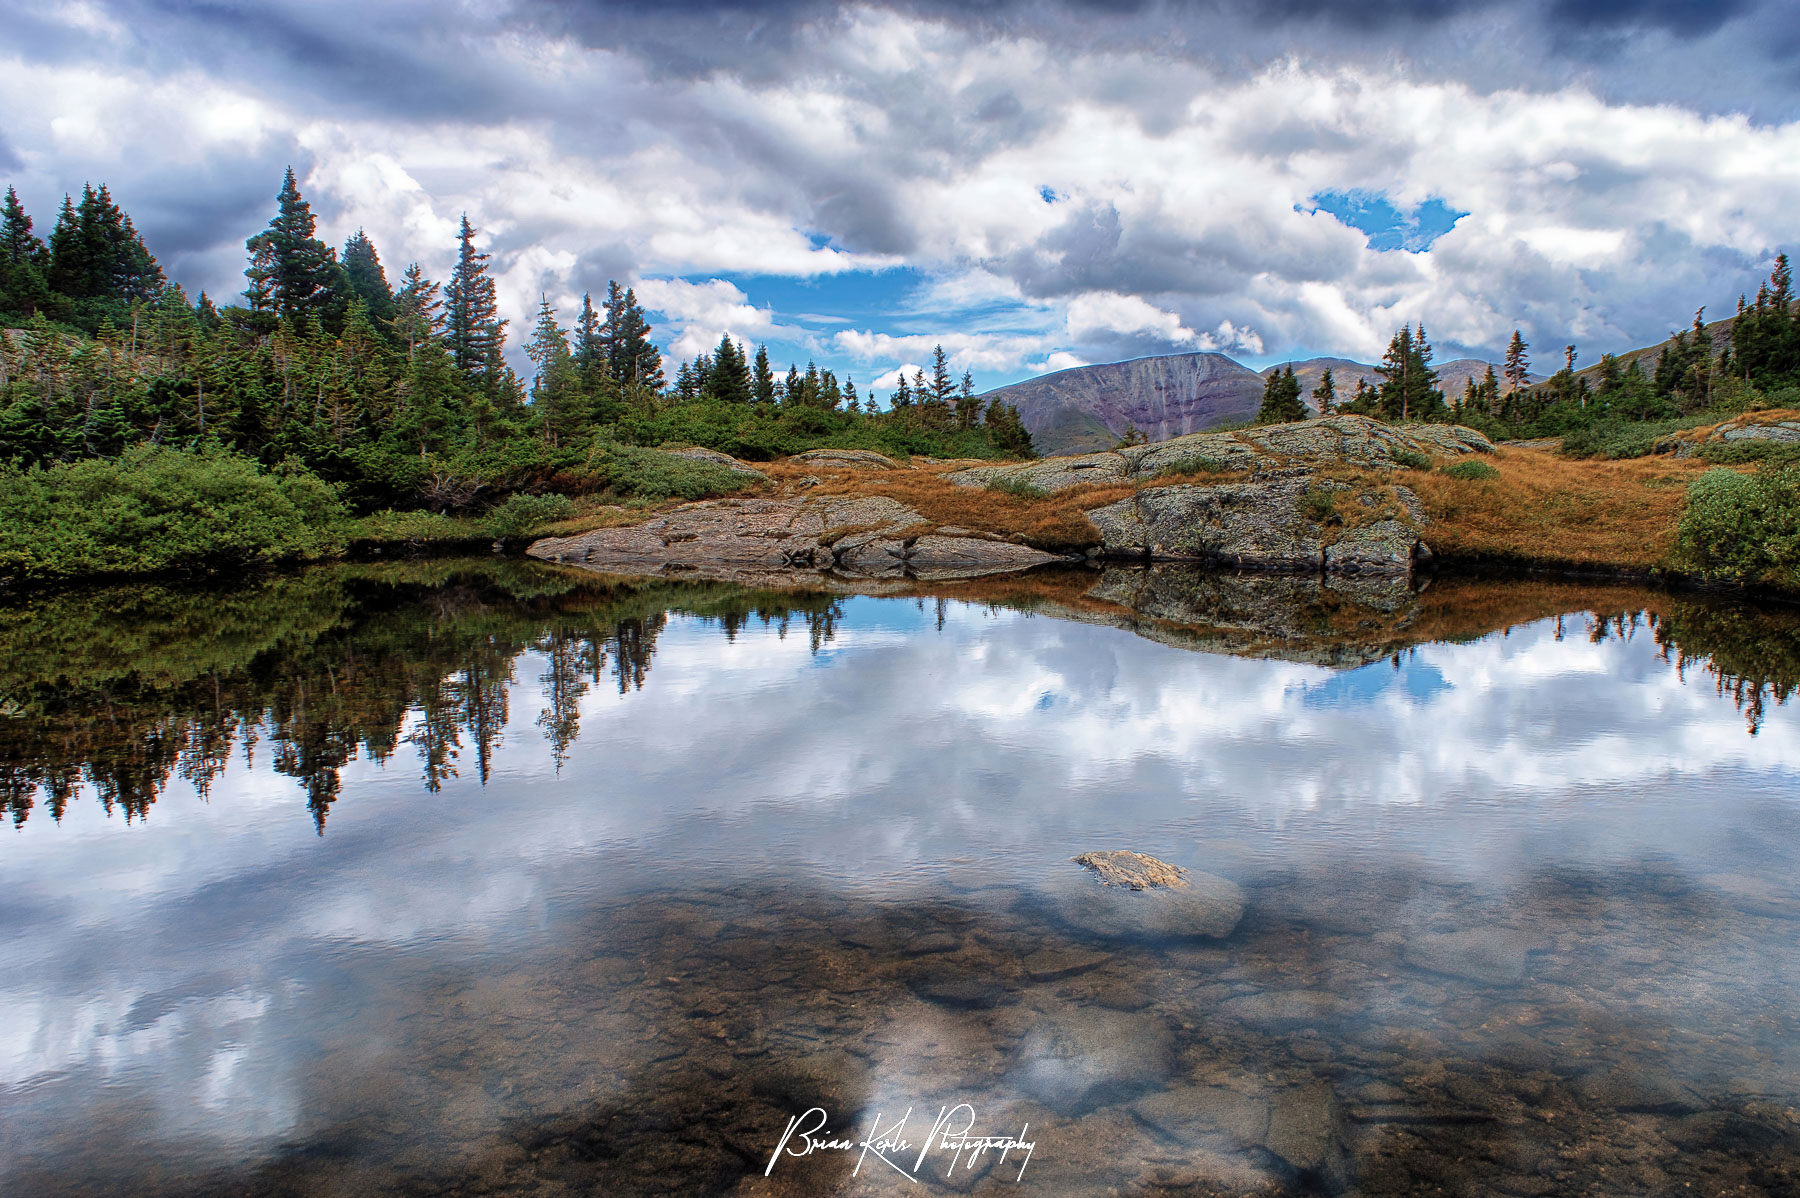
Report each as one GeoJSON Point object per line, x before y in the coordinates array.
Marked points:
{"type": "Point", "coordinates": [1471, 471]}
{"type": "Point", "coordinates": [156, 509]}
{"type": "Point", "coordinates": [1615, 439]}
{"type": "Point", "coordinates": [1744, 527]}
{"type": "Point", "coordinates": [1020, 488]}
{"type": "Point", "coordinates": [1411, 460]}
{"type": "Point", "coordinates": [648, 474]}
{"type": "Point", "coordinates": [1318, 505]}
{"type": "Point", "coordinates": [1738, 453]}
{"type": "Point", "coordinates": [523, 514]}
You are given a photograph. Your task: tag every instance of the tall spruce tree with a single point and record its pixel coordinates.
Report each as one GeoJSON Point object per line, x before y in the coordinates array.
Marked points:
{"type": "Point", "coordinates": [417, 310]}
{"type": "Point", "coordinates": [556, 393]}
{"type": "Point", "coordinates": [367, 280]}
{"type": "Point", "coordinates": [292, 273]}
{"type": "Point", "coordinates": [729, 379]}
{"type": "Point", "coordinates": [1517, 367]}
{"type": "Point", "coordinates": [1325, 394]}
{"type": "Point", "coordinates": [762, 380]}
{"type": "Point", "coordinates": [473, 331]}
{"type": "Point", "coordinates": [23, 288]}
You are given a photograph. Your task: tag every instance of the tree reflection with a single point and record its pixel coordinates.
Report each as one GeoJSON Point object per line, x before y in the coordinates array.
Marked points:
{"type": "Point", "coordinates": [119, 692]}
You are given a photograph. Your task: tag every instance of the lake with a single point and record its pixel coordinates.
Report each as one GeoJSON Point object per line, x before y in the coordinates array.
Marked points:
{"type": "Point", "coordinates": [503, 878]}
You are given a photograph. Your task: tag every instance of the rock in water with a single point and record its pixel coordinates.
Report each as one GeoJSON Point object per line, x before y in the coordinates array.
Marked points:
{"type": "Point", "coordinates": [1492, 956]}
{"type": "Point", "coordinates": [1306, 1131]}
{"type": "Point", "coordinates": [1077, 1058]}
{"type": "Point", "coordinates": [1141, 896]}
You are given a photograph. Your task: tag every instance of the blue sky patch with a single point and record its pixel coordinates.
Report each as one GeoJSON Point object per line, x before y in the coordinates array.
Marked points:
{"type": "Point", "coordinates": [1386, 226]}
{"type": "Point", "coordinates": [1361, 687]}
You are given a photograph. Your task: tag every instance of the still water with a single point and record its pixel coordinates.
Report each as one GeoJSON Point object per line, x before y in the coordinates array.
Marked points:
{"type": "Point", "coordinates": [464, 878]}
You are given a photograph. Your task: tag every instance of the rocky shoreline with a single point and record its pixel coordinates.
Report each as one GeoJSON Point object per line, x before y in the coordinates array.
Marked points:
{"type": "Point", "coordinates": [1264, 499]}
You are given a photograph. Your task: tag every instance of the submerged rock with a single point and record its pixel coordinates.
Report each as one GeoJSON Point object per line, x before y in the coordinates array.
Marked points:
{"type": "Point", "coordinates": [1140, 896]}
{"type": "Point", "coordinates": [1191, 1114]}
{"type": "Point", "coordinates": [1076, 1058]}
{"type": "Point", "coordinates": [1492, 956]}
{"type": "Point", "coordinates": [1306, 1130]}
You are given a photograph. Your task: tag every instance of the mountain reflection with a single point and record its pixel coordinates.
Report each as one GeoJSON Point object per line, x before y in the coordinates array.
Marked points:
{"type": "Point", "coordinates": [124, 690]}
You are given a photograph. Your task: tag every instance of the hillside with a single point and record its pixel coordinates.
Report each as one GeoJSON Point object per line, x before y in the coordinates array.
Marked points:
{"type": "Point", "coordinates": [1091, 407]}
{"type": "Point", "coordinates": [1453, 376]}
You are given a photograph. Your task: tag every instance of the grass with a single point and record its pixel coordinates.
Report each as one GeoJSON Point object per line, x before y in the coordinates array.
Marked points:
{"type": "Point", "coordinates": [1470, 471]}
{"type": "Point", "coordinates": [1022, 488]}
{"type": "Point", "coordinates": [1552, 510]}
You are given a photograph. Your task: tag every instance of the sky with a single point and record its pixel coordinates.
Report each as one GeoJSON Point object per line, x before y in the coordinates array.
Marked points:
{"type": "Point", "coordinates": [1033, 184]}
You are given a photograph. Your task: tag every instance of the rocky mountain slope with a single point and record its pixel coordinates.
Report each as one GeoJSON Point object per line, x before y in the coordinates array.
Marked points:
{"type": "Point", "coordinates": [1091, 407]}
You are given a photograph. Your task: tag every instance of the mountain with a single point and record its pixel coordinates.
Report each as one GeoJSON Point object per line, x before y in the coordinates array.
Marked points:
{"type": "Point", "coordinates": [1453, 376]}
{"type": "Point", "coordinates": [1090, 407]}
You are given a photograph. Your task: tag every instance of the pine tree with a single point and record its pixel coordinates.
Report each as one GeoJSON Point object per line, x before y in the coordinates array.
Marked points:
{"type": "Point", "coordinates": [292, 273]}
{"type": "Point", "coordinates": [416, 310]}
{"type": "Point", "coordinates": [23, 288]}
{"type": "Point", "coordinates": [556, 395]}
{"type": "Point", "coordinates": [366, 279]}
{"type": "Point", "coordinates": [729, 379]}
{"type": "Point", "coordinates": [1518, 364]}
{"type": "Point", "coordinates": [1005, 428]}
{"type": "Point", "coordinates": [793, 393]}
{"type": "Point", "coordinates": [763, 379]}
{"type": "Point", "coordinates": [1281, 399]}
{"type": "Point", "coordinates": [1325, 394]}
{"type": "Point", "coordinates": [473, 332]}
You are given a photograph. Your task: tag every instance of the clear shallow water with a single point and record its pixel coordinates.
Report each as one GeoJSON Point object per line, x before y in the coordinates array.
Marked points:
{"type": "Point", "coordinates": [494, 878]}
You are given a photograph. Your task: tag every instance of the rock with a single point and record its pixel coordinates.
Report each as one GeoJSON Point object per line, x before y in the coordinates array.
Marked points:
{"type": "Point", "coordinates": [1259, 524]}
{"type": "Point", "coordinates": [862, 536]}
{"type": "Point", "coordinates": [1052, 474]}
{"type": "Point", "coordinates": [1149, 899]}
{"type": "Point", "coordinates": [1492, 956]}
{"type": "Point", "coordinates": [862, 459]}
{"type": "Point", "coordinates": [1053, 964]}
{"type": "Point", "coordinates": [1078, 1058]}
{"type": "Point", "coordinates": [697, 453]}
{"type": "Point", "coordinates": [1637, 1089]}
{"type": "Point", "coordinates": [1281, 1010]}
{"type": "Point", "coordinates": [1306, 1130]}
{"type": "Point", "coordinates": [1189, 1114]}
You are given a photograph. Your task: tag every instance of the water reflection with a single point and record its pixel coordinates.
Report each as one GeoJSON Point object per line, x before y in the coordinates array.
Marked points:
{"type": "Point", "coordinates": [622, 874]}
{"type": "Point", "coordinates": [127, 689]}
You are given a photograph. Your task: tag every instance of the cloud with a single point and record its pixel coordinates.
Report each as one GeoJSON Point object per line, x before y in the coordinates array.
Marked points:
{"type": "Point", "coordinates": [701, 313]}
{"type": "Point", "coordinates": [1186, 147]}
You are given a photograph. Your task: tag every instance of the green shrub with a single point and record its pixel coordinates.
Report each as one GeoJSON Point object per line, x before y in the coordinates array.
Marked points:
{"type": "Point", "coordinates": [1738, 453]}
{"type": "Point", "coordinates": [1021, 488]}
{"type": "Point", "coordinates": [1317, 504]}
{"type": "Point", "coordinates": [1617, 439]}
{"type": "Point", "coordinates": [156, 509]}
{"type": "Point", "coordinates": [415, 528]}
{"type": "Point", "coordinates": [648, 474]}
{"type": "Point", "coordinates": [1196, 464]}
{"type": "Point", "coordinates": [523, 514]}
{"type": "Point", "coordinates": [1744, 526]}
{"type": "Point", "coordinates": [1471, 471]}
{"type": "Point", "coordinates": [1411, 460]}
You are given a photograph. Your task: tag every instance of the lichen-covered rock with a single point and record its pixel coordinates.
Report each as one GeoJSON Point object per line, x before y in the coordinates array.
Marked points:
{"type": "Point", "coordinates": [1329, 440]}
{"type": "Point", "coordinates": [1052, 474]}
{"type": "Point", "coordinates": [863, 459]}
{"type": "Point", "coordinates": [1278, 523]}
{"type": "Point", "coordinates": [1139, 896]}
{"type": "Point", "coordinates": [864, 536]}
{"type": "Point", "coordinates": [696, 453]}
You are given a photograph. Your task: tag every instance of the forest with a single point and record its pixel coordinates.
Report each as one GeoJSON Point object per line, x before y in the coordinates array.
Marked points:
{"type": "Point", "coordinates": [332, 393]}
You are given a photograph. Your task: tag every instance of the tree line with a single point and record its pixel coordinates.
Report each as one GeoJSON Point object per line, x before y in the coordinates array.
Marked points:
{"type": "Point", "coordinates": [398, 392]}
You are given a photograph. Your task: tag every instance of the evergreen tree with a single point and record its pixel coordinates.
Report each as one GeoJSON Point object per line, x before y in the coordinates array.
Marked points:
{"type": "Point", "coordinates": [556, 394]}
{"type": "Point", "coordinates": [417, 318]}
{"type": "Point", "coordinates": [763, 380]}
{"type": "Point", "coordinates": [367, 280]}
{"type": "Point", "coordinates": [793, 394]}
{"type": "Point", "coordinates": [943, 386]}
{"type": "Point", "coordinates": [1325, 394]}
{"type": "Point", "coordinates": [23, 288]}
{"type": "Point", "coordinates": [1281, 399]}
{"type": "Point", "coordinates": [473, 332]}
{"type": "Point", "coordinates": [292, 273]}
{"type": "Point", "coordinates": [1518, 364]}
{"type": "Point", "coordinates": [1408, 389]}
{"type": "Point", "coordinates": [1004, 426]}
{"type": "Point", "coordinates": [729, 379]}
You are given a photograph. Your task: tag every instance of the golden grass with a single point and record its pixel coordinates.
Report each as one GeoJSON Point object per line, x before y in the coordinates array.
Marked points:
{"type": "Point", "coordinates": [1550, 510]}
